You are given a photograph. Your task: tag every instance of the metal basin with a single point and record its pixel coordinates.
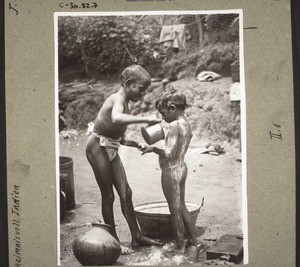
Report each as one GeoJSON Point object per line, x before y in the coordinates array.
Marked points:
{"type": "Point", "coordinates": [155, 219]}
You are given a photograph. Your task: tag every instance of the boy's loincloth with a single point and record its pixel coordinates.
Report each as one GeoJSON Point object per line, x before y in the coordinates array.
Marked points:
{"type": "Point", "coordinates": [110, 145]}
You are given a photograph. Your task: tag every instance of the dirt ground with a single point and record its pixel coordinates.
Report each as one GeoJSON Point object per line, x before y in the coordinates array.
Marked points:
{"type": "Point", "coordinates": [216, 178]}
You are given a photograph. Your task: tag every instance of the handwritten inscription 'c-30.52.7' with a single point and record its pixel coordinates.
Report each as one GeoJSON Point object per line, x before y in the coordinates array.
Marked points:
{"type": "Point", "coordinates": [72, 5]}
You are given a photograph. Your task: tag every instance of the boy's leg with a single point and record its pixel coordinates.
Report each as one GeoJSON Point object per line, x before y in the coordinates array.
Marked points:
{"type": "Point", "coordinates": [171, 191]}
{"type": "Point", "coordinates": [121, 184]}
{"type": "Point", "coordinates": [186, 216]}
{"type": "Point", "coordinates": [99, 161]}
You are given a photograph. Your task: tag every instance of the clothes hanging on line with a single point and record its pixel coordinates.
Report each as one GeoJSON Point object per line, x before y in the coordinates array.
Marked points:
{"type": "Point", "coordinates": [173, 36]}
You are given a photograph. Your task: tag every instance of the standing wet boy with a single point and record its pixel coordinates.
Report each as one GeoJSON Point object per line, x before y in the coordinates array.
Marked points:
{"type": "Point", "coordinates": [107, 133]}
{"type": "Point", "coordinates": [171, 104]}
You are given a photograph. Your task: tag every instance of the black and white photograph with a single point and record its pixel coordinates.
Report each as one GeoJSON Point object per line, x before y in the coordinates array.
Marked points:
{"type": "Point", "coordinates": [150, 138]}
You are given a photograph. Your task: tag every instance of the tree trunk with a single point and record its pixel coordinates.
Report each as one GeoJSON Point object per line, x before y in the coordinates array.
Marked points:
{"type": "Point", "coordinates": [85, 60]}
{"type": "Point", "coordinates": [84, 56]}
{"type": "Point", "coordinates": [200, 30]}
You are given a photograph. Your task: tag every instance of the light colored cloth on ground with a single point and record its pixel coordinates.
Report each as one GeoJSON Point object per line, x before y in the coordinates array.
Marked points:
{"type": "Point", "coordinates": [207, 76]}
{"type": "Point", "coordinates": [110, 145]}
{"type": "Point", "coordinates": [173, 36]}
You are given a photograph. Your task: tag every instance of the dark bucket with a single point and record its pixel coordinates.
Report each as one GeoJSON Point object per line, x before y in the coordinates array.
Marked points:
{"type": "Point", "coordinates": [67, 180]}
{"type": "Point", "coordinates": [155, 219]}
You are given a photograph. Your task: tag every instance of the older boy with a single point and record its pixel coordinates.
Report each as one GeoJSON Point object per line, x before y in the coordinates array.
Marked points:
{"type": "Point", "coordinates": [102, 150]}
{"type": "Point", "coordinates": [171, 104]}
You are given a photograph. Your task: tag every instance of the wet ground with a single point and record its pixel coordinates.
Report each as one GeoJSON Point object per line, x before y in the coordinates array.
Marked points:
{"type": "Point", "coordinates": [216, 178]}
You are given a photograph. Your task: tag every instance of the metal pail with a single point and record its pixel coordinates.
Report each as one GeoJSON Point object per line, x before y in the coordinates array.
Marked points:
{"type": "Point", "coordinates": [67, 183]}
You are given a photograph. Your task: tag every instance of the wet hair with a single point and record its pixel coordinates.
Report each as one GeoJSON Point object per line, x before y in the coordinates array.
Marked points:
{"type": "Point", "coordinates": [171, 96]}
{"type": "Point", "coordinates": [135, 73]}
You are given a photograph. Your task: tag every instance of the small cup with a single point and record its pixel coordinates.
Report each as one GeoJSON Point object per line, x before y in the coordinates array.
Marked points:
{"type": "Point", "coordinates": [153, 133]}
{"type": "Point", "coordinates": [193, 254]}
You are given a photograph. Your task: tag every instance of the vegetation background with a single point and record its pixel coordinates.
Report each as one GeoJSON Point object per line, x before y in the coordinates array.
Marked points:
{"type": "Point", "coordinates": [93, 50]}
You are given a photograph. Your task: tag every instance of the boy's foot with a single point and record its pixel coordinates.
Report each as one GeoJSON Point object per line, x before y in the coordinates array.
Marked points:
{"type": "Point", "coordinates": [126, 250]}
{"type": "Point", "coordinates": [172, 248]}
{"type": "Point", "coordinates": [145, 241]}
{"type": "Point", "coordinates": [180, 251]}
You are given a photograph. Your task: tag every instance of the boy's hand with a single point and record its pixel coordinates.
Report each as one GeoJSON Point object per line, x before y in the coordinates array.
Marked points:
{"type": "Point", "coordinates": [141, 147]}
{"type": "Point", "coordinates": [153, 120]}
{"type": "Point", "coordinates": [147, 149]}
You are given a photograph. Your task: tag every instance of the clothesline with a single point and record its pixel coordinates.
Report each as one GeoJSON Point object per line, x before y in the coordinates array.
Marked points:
{"type": "Point", "coordinates": [186, 24]}
{"type": "Point", "coordinates": [160, 26]}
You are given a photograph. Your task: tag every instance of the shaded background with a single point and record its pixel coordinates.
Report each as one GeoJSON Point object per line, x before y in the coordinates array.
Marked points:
{"type": "Point", "coordinates": [94, 50]}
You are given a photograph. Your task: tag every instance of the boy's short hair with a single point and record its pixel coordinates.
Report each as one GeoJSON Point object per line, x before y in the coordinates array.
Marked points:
{"type": "Point", "coordinates": [135, 73]}
{"type": "Point", "coordinates": [171, 96]}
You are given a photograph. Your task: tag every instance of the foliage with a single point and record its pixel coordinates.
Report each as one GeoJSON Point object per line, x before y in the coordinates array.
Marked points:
{"type": "Point", "coordinates": [69, 49]}
{"type": "Point", "coordinates": [108, 44]}
{"type": "Point", "coordinates": [102, 43]}
{"type": "Point", "coordinates": [105, 44]}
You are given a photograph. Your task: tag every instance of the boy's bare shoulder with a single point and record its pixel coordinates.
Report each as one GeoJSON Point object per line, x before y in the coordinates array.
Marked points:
{"type": "Point", "coordinates": [179, 126]}
{"type": "Point", "coordinates": [175, 126]}
{"type": "Point", "coordinates": [174, 123]}
{"type": "Point", "coordinates": [179, 123]}
{"type": "Point", "coordinates": [116, 97]}
{"type": "Point", "coordinates": [113, 99]}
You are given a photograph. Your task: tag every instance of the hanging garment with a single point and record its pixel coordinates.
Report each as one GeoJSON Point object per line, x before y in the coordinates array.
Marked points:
{"type": "Point", "coordinates": [173, 36]}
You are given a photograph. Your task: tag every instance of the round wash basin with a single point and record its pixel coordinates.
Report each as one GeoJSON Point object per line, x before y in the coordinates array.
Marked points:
{"type": "Point", "coordinates": [155, 219]}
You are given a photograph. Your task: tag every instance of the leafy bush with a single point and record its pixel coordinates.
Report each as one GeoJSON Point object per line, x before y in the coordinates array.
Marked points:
{"type": "Point", "coordinates": [103, 44]}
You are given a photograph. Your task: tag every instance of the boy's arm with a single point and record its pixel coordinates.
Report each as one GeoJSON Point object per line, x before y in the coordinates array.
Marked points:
{"type": "Point", "coordinates": [125, 142]}
{"type": "Point", "coordinates": [119, 117]}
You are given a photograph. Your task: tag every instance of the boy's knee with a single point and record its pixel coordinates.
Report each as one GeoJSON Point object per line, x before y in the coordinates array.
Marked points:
{"type": "Point", "coordinates": [109, 198]}
{"type": "Point", "coordinates": [128, 193]}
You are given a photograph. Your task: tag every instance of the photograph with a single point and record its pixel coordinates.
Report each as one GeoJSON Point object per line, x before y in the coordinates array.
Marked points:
{"type": "Point", "coordinates": [149, 132]}
{"type": "Point", "coordinates": [151, 141]}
